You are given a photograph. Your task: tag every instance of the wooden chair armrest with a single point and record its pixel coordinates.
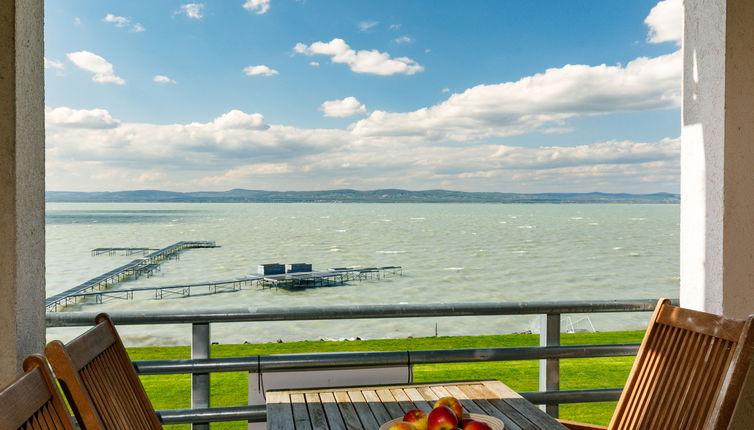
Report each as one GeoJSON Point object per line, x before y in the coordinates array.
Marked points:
{"type": "Point", "coordinates": [581, 426]}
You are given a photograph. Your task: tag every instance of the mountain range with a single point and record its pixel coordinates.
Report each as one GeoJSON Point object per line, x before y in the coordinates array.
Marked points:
{"type": "Point", "coordinates": [354, 196]}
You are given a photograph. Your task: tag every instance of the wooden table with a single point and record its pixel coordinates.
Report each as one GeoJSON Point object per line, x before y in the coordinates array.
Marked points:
{"type": "Point", "coordinates": [366, 408]}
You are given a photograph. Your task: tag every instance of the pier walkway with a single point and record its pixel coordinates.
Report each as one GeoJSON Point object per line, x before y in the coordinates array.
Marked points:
{"type": "Point", "coordinates": [288, 281]}
{"type": "Point", "coordinates": [122, 251]}
{"type": "Point", "coordinates": [136, 268]}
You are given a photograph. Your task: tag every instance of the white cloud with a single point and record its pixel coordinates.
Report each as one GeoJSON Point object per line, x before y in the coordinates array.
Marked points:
{"type": "Point", "coordinates": [259, 70]}
{"type": "Point", "coordinates": [665, 22]}
{"type": "Point", "coordinates": [119, 21]}
{"type": "Point", "coordinates": [366, 25]}
{"type": "Point", "coordinates": [162, 79]}
{"type": "Point", "coordinates": [79, 118]}
{"type": "Point", "coordinates": [446, 90]}
{"type": "Point", "coordinates": [52, 64]}
{"type": "Point", "coordinates": [348, 106]}
{"type": "Point", "coordinates": [122, 21]}
{"type": "Point", "coordinates": [314, 64]}
{"type": "Point", "coordinates": [239, 149]}
{"type": "Point", "coordinates": [373, 62]}
{"type": "Point", "coordinates": [192, 10]}
{"type": "Point", "coordinates": [394, 26]}
{"type": "Point", "coordinates": [536, 103]}
{"type": "Point", "coordinates": [77, 21]}
{"type": "Point", "coordinates": [151, 176]}
{"type": "Point", "coordinates": [258, 6]}
{"type": "Point", "coordinates": [403, 39]}
{"type": "Point", "coordinates": [102, 69]}
{"type": "Point", "coordinates": [238, 120]}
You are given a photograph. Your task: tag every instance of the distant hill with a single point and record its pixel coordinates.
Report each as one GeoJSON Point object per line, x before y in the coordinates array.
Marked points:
{"type": "Point", "coordinates": [353, 196]}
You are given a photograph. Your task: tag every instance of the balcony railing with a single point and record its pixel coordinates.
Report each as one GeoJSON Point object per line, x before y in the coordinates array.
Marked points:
{"type": "Point", "coordinates": [201, 364]}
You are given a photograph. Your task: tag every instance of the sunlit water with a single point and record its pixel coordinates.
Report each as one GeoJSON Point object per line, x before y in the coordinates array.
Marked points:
{"type": "Point", "coordinates": [449, 253]}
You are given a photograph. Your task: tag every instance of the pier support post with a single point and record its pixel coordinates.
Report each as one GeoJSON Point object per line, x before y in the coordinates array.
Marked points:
{"type": "Point", "coordinates": [200, 344]}
{"type": "Point", "coordinates": [22, 237]}
{"type": "Point", "coordinates": [549, 370]}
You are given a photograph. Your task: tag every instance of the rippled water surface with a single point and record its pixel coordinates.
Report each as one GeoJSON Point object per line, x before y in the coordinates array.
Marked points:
{"type": "Point", "coordinates": [449, 253]}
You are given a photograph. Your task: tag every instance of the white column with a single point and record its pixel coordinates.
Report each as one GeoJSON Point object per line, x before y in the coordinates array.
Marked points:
{"type": "Point", "coordinates": [717, 167]}
{"type": "Point", "coordinates": [22, 267]}
{"type": "Point", "coordinates": [717, 158]}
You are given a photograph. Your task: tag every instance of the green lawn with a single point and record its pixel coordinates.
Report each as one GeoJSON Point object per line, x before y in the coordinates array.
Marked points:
{"type": "Point", "coordinates": [230, 389]}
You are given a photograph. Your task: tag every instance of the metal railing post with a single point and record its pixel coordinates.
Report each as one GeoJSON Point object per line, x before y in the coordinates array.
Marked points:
{"type": "Point", "coordinates": [200, 342]}
{"type": "Point", "coordinates": [549, 369]}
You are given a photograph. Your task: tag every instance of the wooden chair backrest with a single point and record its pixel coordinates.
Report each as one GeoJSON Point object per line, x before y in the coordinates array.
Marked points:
{"type": "Point", "coordinates": [33, 401]}
{"type": "Point", "coordinates": [688, 373]}
{"type": "Point", "coordinates": [100, 381]}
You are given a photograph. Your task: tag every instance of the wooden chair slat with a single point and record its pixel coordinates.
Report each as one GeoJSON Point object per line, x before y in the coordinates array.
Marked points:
{"type": "Point", "coordinates": [89, 345]}
{"type": "Point", "coordinates": [692, 377]}
{"type": "Point", "coordinates": [702, 322]}
{"type": "Point", "coordinates": [675, 384]}
{"type": "Point", "coordinates": [688, 372]}
{"type": "Point", "coordinates": [672, 379]}
{"type": "Point", "coordinates": [33, 401]}
{"type": "Point", "coordinates": [101, 382]}
{"type": "Point", "coordinates": [648, 380]}
{"type": "Point", "coordinates": [641, 369]}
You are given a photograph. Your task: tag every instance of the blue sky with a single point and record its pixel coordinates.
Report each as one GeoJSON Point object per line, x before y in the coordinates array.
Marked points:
{"type": "Point", "coordinates": [514, 96]}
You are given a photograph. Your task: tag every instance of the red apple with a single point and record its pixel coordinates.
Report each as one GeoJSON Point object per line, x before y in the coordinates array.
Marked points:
{"type": "Point", "coordinates": [403, 425]}
{"type": "Point", "coordinates": [442, 418]}
{"type": "Point", "coordinates": [416, 417]}
{"type": "Point", "coordinates": [476, 425]}
{"type": "Point", "coordinates": [464, 421]}
{"type": "Point", "coordinates": [453, 404]}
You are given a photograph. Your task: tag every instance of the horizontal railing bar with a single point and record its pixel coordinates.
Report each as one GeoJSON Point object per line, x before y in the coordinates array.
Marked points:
{"type": "Point", "coordinates": [234, 413]}
{"type": "Point", "coordinates": [291, 362]}
{"type": "Point", "coordinates": [64, 319]}
{"type": "Point", "coordinates": [572, 396]}
{"type": "Point", "coordinates": [259, 414]}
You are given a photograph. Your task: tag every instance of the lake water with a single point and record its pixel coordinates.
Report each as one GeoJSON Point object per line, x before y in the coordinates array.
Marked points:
{"type": "Point", "coordinates": [449, 253]}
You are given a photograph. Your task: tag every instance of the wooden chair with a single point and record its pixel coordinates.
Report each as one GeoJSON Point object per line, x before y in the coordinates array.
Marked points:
{"type": "Point", "coordinates": [688, 373]}
{"type": "Point", "coordinates": [100, 381]}
{"type": "Point", "coordinates": [33, 401]}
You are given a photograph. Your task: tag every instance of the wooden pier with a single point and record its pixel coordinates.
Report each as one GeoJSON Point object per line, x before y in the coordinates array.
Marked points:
{"type": "Point", "coordinates": [288, 281]}
{"type": "Point", "coordinates": [143, 266]}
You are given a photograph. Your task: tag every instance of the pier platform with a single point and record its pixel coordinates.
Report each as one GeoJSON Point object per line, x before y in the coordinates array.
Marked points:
{"type": "Point", "coordinates": [288, 281]}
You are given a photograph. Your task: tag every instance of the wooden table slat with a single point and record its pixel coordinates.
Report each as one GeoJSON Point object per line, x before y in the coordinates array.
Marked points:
{"type": "Point", "coordinates": [362, 408]}
{"type": "Point", "coordinates": [279, 412]}
{"type": "Point", "coordinates": [316, 411]}
{"type": "Point", "coordinates": [403, 400]}
{"type": "Point", "coordinates": [533, 413]}
{"type": "Point", "coordinates": [418, 399]}
{"type": "Point", "coordinates": [428, 394]}
{"type": "Point", "coordinates": [387, 399]}
{"type": "Point", "coordinates": [468, 405]}
{"type": "Point", "coordinates": [350, 417]}
{"type": "Point", "coordinates": [481, 398]}
{"type": "Point", "coordinates": [300, 413]}
{"type": "Point", "coordinates": [366, 408]}
{"type": "Point", "coordinates": [332, 412]}
{"type": "Point", "coordinates": [378, 409]}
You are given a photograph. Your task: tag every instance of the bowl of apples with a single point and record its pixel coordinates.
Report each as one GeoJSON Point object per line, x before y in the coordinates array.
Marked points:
{"type": "Point", "coordinates": [447, 414]}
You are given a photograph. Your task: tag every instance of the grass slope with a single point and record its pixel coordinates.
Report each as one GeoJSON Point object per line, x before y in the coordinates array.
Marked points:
{"type": "Point", "coordinates": [230, 389]}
